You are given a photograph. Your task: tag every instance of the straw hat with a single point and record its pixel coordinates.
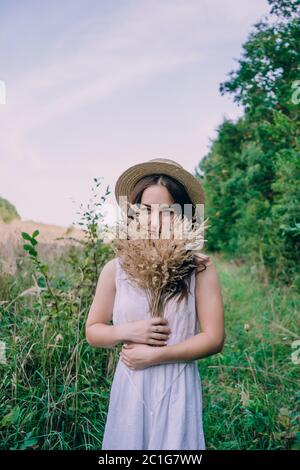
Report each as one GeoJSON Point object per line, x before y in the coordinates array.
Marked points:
{"type": "Point", "coordinates": [128, 179]}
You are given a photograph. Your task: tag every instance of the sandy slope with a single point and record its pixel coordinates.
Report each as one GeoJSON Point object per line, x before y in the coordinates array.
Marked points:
{"type": "Point", "coordinates": [11, 241]}
{"type": "Point", "coordinates": [48, 233]}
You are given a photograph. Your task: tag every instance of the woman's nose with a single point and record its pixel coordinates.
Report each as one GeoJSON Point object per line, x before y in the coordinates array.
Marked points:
{"type": "Point", "coordinates": [154, 223]}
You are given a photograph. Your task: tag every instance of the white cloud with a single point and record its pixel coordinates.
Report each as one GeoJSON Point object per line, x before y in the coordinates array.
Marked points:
{"type": "Point", "coordinates": [93, 56]}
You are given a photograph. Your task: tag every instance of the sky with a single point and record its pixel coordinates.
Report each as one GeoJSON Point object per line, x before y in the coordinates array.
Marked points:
{"type": "Point", "coordinates": [91, 87]}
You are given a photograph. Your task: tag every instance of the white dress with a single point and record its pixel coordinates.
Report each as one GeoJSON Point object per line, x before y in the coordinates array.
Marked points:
{"type": "Point", "coordinates": [159, 407]}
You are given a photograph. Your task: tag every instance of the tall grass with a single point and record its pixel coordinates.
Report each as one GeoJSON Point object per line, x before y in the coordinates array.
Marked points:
{"type": "Point", "coordinates": [54, 387]}
{"type": "Point", "coordinates": [251, 390]}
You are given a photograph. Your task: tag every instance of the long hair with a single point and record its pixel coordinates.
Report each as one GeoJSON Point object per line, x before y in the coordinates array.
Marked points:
{"type": "Point", "coordinates": [181, 197]}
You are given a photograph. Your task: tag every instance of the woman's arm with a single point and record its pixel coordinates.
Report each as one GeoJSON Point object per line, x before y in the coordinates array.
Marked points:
{"type": "Point", "coordinates": [97, 331]}
{"type": "Point", "coordinates": [99, 334]}
{"type": "Point", "coordinates": [210, 311]}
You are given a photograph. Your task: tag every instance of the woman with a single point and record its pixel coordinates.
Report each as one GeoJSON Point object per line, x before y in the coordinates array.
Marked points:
{"type": "Point", "coordinates": [156, 396]}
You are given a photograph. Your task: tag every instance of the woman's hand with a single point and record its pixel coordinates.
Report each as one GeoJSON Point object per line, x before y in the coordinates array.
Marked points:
{"type": "Point", "coordinates": [153, 331]}
{"type": "Point", "coordinates": [139, 356]}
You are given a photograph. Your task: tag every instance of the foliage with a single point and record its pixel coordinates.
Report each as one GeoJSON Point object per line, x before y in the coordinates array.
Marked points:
{"type": "Point", "coordinates": [251, 390]}
{"type": "Point", "coordinates": [8, 212]}
{"type": "Point", "coordinates": [54, 386]}
{"type": "Point", "coordinates": [252, 171]}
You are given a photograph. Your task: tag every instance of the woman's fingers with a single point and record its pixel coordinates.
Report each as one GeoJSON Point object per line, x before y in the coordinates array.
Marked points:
{"type": "Point", "coordinates": [161, 336]}
{"type": "Point", "coordinates": [163, 330]}
{"type": "Point", "coordinates": [159, 339]}
{"type": "Point", "coordinates": [126, 362]}
{"type": "Point", "coordinates": [157, 342]}
{"type": "Point", "coordinates": [158, 321]}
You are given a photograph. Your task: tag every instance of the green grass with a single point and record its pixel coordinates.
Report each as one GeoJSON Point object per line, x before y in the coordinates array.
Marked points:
{"type": "Point", "coordinates": [251, 390]}
{"type": "Point", "coordinates": [54, 388]}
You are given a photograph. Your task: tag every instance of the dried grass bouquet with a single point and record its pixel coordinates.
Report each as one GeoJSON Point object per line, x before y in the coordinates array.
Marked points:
{"type": "Point", "coordinates": [155, 265]}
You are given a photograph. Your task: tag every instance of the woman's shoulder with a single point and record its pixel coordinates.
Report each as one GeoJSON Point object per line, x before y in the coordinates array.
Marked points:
{"type": "Point", "coordinates": [204, 259]}
{"type": "Point", "coordinates": [111, 264]}
{"type": "Point", "coordinates": [110, 269]}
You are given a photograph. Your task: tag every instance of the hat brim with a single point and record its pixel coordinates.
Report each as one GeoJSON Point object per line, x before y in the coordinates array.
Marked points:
{"type": "Point", "coordinates": [128, 179]}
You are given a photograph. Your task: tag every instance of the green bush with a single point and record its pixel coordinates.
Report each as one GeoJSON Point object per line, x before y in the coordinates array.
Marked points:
{"type": "Point", "coordinates": [251, 174]}
{"type": "Point", "coordinates": [8, 212]}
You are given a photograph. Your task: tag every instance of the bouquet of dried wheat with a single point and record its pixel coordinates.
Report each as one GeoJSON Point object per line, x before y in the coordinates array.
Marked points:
{"type": "Point", "coordinates": [155, 265]}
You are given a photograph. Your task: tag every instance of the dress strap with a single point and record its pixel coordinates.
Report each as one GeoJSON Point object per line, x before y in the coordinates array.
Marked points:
{"type": "Point", "coordinates": [192, 283]}
{"type": "Point", "coordinates": [120, 273]}
{"type": "Point", "coordinates": [117, 272]}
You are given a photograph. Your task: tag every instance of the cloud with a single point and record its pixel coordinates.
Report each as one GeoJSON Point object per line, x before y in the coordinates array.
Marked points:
{"type": "Point", "coordinates": [61, 58]}
{"type": "Point", "coordinates": [142, 41]}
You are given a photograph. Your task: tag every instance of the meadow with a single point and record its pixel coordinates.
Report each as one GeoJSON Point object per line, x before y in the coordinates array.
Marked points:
{"type": "Point", "coordinates": [54, 387]}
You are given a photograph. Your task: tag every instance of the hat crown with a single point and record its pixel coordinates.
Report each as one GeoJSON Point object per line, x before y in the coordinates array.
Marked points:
{"type": "Point", "coordinates": [166, 160]}
{"type": "Point", "coordinates": [128, 179]}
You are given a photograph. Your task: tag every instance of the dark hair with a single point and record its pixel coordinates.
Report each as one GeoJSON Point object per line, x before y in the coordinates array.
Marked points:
{"type": "Point", "coordinates": [181, 197]}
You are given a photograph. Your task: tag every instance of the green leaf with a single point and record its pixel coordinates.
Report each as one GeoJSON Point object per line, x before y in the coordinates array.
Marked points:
{"type": "Point", "coordinates": [26, 236]}
{"type": "Point", "coordinates": [296, 442]}
{"type": "Point", "coordinates": [41, 282]}
{"type": "Point", "coordinates": [32, 252]}
{"type": "Point", "coordinates": [27, 247]}
{"type": "Point", "coordinates": [11, 417]}
{"type": "Point", "coordinates": [29, 443]}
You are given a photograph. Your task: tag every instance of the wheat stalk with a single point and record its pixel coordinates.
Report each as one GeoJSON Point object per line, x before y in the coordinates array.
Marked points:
{"type": "Point", "coordinates": [155, 265]}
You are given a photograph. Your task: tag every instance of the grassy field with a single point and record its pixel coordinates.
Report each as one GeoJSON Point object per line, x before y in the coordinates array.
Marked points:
{"type": "Point", "coordinates": [54, 387]}
{"type": "Point", "coordinates": [251, 390]}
